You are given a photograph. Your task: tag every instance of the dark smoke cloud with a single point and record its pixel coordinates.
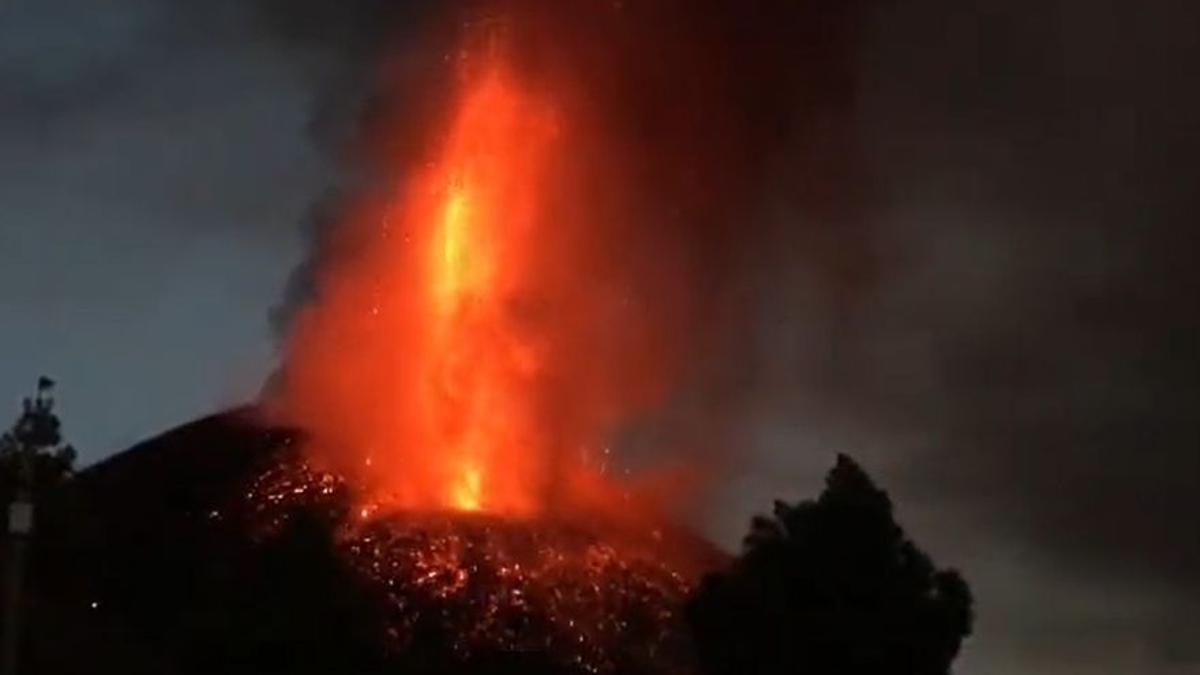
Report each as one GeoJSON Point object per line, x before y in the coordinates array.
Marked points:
{"type": "Point", "coordinates": [1023, 367]}
{"type": "Point", "coordinates": [1063, 348]}
{"type": "Point", "coordinates": [702, 98]}
{"type": "Point", "coordinates": [362, 56]}
{"type": "Point", "coordinates": [1075, 379]}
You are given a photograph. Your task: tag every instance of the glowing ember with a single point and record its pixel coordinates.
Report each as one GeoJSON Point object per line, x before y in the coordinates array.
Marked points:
{"type": "Point", "coordinates": [588, 598]}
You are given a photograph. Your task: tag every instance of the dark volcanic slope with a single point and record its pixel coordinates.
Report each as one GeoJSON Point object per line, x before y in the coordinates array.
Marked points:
{"type": "Point", "coordinates": [162, 560]}
{"type": "Point", "coordinates": [141, 564]}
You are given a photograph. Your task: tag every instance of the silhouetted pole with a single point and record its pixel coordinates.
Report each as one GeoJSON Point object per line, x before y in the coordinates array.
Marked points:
{"type": "Point", "coordinates": [20, 528]}
{"type": "Point", "coordinates": [35, 433]}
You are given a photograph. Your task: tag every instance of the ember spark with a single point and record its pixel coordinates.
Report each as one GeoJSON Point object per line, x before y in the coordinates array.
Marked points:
{"type": "Point", "coordinates": [591, 600]}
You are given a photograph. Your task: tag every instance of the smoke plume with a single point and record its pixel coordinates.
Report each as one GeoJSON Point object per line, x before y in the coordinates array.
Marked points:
{"type": "Point", "coordinates": [683, 119]}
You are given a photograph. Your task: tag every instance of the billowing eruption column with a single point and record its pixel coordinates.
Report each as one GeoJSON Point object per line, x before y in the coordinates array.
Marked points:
{"type": "Point", "coordinates": [556, 240]}
{"type": "Point", "coordinates": [485, 324]}
{"type": "Point", "coordinates": [564, 222]}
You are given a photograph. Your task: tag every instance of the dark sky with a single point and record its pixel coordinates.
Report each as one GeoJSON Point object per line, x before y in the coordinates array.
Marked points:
{"type": "Point", "coordinates": [1020, 370]}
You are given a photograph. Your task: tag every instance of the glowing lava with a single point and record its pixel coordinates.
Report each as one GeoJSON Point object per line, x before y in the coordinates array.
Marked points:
{"type": "Point", "coordinates": [476, 370]}
{"type": "Point", "coordinates": [586, 597]}
{"type": "Point", "coordinates": [487, 317]}
{"type": "Point", "coordinates": [468, 492]}
{"type": "Point", "coordinates": [422, 354]}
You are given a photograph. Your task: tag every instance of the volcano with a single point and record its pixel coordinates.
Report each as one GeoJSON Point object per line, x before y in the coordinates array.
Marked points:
{"type": "Point", "coordinates": [487, 317]}
{"type": "Point", "coordinates": [213, 548]}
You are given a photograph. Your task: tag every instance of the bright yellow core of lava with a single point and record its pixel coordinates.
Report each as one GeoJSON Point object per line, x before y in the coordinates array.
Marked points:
{"type": "Point", "coordinates": [478, 369]}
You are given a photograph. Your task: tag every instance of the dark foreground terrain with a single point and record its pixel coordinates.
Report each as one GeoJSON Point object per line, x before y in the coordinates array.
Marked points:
{"type": "Point", "coordinates": [157, 561]}
{"type": "Point", "coordinates": [214, 548]}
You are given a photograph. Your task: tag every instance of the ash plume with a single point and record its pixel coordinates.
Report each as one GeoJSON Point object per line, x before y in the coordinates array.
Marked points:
{"type": "Point", "coordinates": [941, 207]}
{"type": "Point", "coordinates": [705, 115]}
{"type": "Point", "coordinates": [966, 261]}
{"type": "Point", "coordinates": [721, 105]}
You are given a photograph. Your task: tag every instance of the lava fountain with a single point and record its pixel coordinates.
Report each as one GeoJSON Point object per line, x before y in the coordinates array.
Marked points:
{"type": "Point", "coordinates": [422, 370]}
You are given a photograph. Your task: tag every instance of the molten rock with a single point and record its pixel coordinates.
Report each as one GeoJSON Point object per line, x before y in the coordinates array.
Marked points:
{"type": "Point", "coordinates": [584, 596]}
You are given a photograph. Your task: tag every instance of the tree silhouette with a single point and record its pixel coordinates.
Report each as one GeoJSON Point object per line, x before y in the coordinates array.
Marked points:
{"type": "Point", "coordinates": [831, 587]}
{"type": "Point", "coordinates": [32, 453]}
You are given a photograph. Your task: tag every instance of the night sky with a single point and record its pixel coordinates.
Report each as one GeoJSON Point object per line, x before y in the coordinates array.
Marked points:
{"type": "Point", "coordinates": [1019, 368]}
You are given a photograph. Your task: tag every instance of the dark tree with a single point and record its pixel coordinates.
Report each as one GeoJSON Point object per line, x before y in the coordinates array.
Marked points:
{"type": "Point", "coordinates": [32, 453]}
{"type": "Point", "coordinates": [831, 587]}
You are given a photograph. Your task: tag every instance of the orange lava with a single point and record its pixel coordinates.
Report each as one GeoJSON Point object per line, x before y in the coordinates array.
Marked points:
{"type": "Point", "coordinates": [475, 370]}
{"type": "Point", "coordinates": [464, 354]}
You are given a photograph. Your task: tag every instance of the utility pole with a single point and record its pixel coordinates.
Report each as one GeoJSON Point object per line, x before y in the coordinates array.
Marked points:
{"type": "Point", "coordinates": [32, 453]}
{"type": "Point", "coordinates": [20, 530]}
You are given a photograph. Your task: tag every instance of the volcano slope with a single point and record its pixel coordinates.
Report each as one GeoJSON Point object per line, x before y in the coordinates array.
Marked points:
{"type": "Point", "coordinates": [214, 549]}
